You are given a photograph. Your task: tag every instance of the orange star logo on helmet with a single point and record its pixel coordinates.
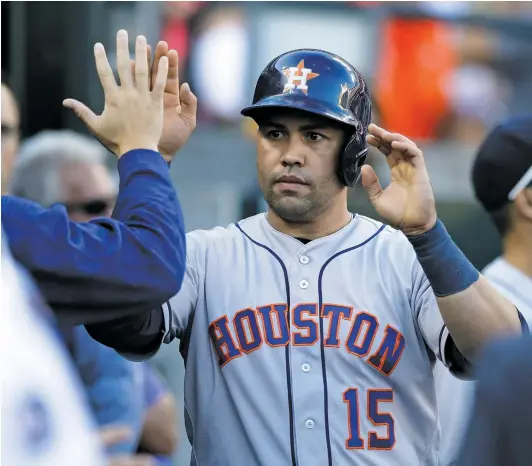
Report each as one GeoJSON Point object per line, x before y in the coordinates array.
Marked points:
{"type": "Point", "coordinates": [298, 76]}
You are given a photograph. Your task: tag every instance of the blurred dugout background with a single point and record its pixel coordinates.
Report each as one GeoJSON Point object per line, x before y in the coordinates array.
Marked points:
{"type": "Point", "coordinates": [442, 73]}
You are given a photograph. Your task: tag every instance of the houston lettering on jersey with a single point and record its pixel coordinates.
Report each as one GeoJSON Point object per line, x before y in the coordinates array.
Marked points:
{"type": "Point", "coordinates": [250, 328]}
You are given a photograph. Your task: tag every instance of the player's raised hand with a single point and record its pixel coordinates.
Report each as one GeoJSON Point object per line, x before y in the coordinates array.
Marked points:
{"type": "Point", "coordinates": [408, 201]}
{"type": "Point", "coordinates": [133, 114]}
{"type": "Point", "coordinates": [180, 104]}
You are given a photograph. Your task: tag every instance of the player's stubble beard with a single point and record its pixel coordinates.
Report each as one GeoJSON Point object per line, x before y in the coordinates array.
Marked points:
{"type": "Point", "coordinates": [298, 208]}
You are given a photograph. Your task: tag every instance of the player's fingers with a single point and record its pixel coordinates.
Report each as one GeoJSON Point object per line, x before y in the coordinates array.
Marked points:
{"type": "Point", "coordinates": [373, 141]}
{"type": "Point", "coordinates": [160, 80]}
{"type": "Point", "coordinates": [149, 64]}
{"type": "Point", "coordinates": [386, 149]}
{"type": "Point", "coordinates": [370, 182]}
{"type": "Point", "coordinates": [141, 64]}
{"type": "Point", "coordinates": [375, 130]}
{"type": "Point", "coordinates": [386, 136]}
{"type": "Point", "coordinates": [407, 149]}
{"type": "Point", "coordinates": [189, 104]}
{"type": "Point", "coordinates": [105, 72]}
{"type": "Point", "coordinates": [83, 112]}
{"type": "Point", "coordinates": [161, 50]}
{"type": "Point", "coordinates": [111, 435]}
{"type": "Point", "coordinates": [132, 63]}
{"type": "Point", "coordinates": [123, 59]}
{"type": "Point", "coordinates": [172, 81]}
{"type": "Point", "coordinates": [390, 137]}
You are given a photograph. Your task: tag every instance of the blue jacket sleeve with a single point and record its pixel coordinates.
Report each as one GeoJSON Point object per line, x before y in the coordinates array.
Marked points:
{"type": "Point", "coordinates": [106, 268]}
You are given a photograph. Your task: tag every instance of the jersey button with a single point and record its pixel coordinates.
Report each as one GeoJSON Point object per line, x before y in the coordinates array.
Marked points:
{"type": "Point", "coordinates": [309, 423]}
{"type": "Point", "coordinates": [305, 367]}
{"type": "Point", "coordinates": [303, 284]}
{"type": "Point", "coordinates": [304, 259]}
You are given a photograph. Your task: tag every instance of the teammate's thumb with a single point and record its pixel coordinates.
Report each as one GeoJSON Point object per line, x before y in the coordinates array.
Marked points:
{"type": "Point", "coordinates": [189, 101]}
{"type": "Point", "coordinates": [83, 112]}
{"type": "Point", "coordinates": [370, 182]}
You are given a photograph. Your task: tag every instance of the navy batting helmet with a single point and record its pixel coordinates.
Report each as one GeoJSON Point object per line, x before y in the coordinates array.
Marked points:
{"type": "Point", "coordinates": [322, 83]}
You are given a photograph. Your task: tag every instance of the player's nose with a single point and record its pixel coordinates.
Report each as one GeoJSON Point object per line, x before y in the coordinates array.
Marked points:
{"type": "Point", "coordinates": [294, 154]}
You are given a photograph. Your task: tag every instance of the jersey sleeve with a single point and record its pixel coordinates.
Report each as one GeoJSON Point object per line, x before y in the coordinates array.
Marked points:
{"type": "Point", "coordinates": [433, 329]}
{"type": "Point", "coordinates": [138, 338]}
{"type": "Point", "coordinates": [181, 307]}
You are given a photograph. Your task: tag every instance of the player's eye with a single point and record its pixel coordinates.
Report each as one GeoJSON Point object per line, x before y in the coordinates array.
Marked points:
{"type": "Point", "coordinates": [276, 134]}
{"type": "Point", "coordinates": [314, 136]}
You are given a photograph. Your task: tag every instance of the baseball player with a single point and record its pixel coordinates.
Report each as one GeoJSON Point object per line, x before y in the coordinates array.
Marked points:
{"type": "Point", "coordinates": [310, 333]}
{"type": "Point", "coordinates": [503, 186]}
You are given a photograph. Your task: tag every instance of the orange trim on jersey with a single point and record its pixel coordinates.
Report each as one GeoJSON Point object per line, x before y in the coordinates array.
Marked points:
{"type": "Point", "coordinates": [348, 402]}
{"type": "Point", "coordinates": [360, 331]}
{"type": "Point", "coordinates": [383, 358]}
{"type": "Point", "coordinates": [244, 330]}
{"type": "Point", "coordinates": [216, 326]}
{"type": "Point", "coordinates": [309, 330]}
{"type": "Point", "coordinates": [272, 310]}
{"type": "Point", "coordinates": [373, 434]}
{"type": "Point", "coordinates": [329, 316]}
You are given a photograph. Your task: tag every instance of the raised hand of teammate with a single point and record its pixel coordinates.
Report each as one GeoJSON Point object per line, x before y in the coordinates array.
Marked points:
{"type": "Point", "coordinates": [133, 114]}
{"type": "Point", "coordinates": [180, 103]}
{"type": "Point", "coordinates": [407, 202]}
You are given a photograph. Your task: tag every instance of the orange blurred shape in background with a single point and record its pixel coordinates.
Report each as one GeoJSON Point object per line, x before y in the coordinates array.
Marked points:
{"type": "Point", "coordinates": [415, 62]}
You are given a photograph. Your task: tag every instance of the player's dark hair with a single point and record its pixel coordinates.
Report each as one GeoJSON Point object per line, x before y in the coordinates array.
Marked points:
{"type": "Point", "coordinates": [502, 219]}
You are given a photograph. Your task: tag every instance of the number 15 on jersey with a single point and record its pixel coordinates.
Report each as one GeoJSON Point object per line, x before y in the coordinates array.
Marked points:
{"type": "Point", "coordinates": [355, 401]}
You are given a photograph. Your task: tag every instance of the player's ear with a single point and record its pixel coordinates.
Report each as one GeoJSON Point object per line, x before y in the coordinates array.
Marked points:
{"type": "Point", "coordinates": [523, 204]}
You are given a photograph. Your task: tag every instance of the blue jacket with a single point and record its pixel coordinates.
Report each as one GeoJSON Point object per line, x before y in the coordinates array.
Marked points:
{"type": "Point", "coordinates": [106, 268]}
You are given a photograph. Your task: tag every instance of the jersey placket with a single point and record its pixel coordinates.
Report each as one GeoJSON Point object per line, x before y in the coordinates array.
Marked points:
{"type": "Point", "coordinates": [305, 361]}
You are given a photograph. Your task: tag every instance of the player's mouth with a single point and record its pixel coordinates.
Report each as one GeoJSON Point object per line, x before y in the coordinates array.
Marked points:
{"type": "Point", "coordinates": [291, 182]}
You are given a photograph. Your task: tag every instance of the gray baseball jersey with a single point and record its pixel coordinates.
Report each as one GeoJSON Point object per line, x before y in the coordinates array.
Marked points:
{"type": "Point", "coordinates": [308, 354]}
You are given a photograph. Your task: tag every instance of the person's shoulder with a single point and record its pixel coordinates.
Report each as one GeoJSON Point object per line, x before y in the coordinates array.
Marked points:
{"type": "Point", "coordinates": [387, 240]}
{"type": "Point", "coordinates": [219, 237]}
{"type": "Point", "coordinates": [219, 233]}
{"type": "Point", "coordinates": [385, 232]}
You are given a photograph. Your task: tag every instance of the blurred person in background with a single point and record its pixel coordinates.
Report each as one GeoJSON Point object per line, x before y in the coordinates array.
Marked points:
{"type": "Point", "coordinates": [69, 168]}
{"type": "Point", "coordinates": [500, 427]}
{"type": "Point", "coordinates": [159, 436]}
{"type": "Point", "coordinates": [502, 181]}
{"type": "Point", "coordinates": [10, 134]}
{"type": "Point", "coordinates": [45, 420]}
{"type": "Point", "coordinates": [71, 260]}
{"type": "Point", "coordinates": [45, 416]}
{"type": "Point", "coordinates": [220, 29]}
{"type": "Point", "coordinates": [178, 29]}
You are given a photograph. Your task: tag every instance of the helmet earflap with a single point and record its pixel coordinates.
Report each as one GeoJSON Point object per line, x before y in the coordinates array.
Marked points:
{"type": "Point", "coordinates": [351, 160]}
